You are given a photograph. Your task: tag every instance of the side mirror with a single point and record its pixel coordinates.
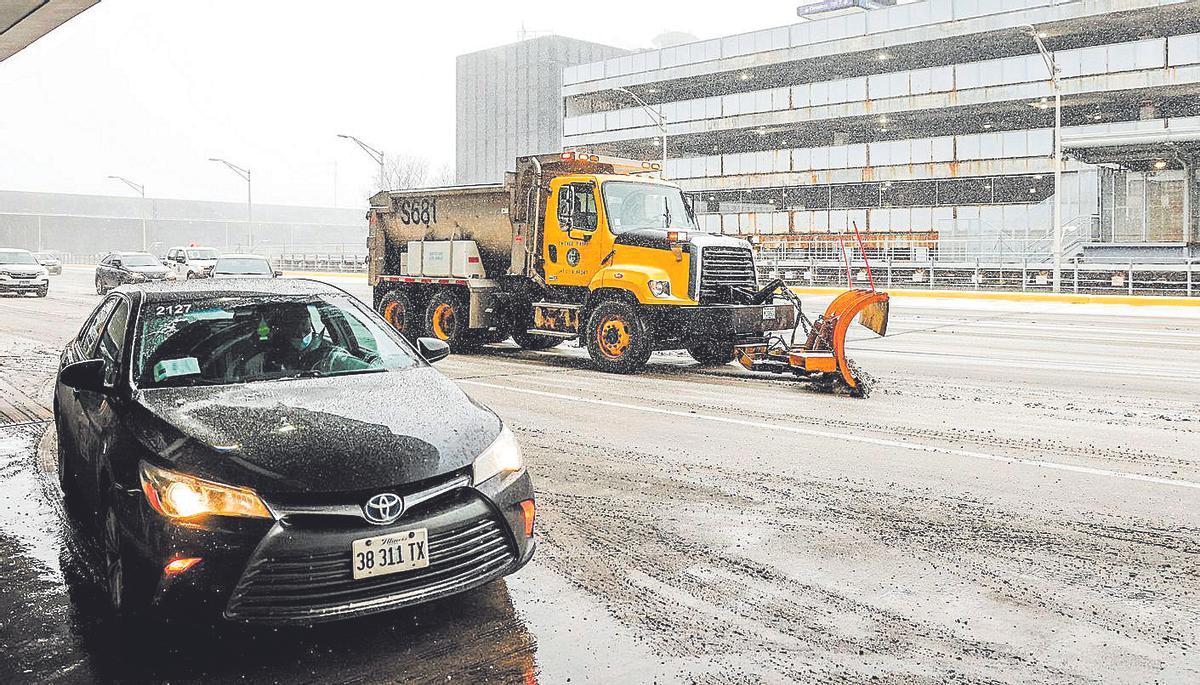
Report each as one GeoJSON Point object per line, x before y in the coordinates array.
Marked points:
{"type": "Point", "coordinates": [116, 263]}
{"type": "Point", "coordinates": [432, 349]}
{"type": "Point", "coordinates": [85, 375]}
{"type": "Point", "coordinates": [278, 273]}
{"type": "Point", "coordinates": [166, 262]}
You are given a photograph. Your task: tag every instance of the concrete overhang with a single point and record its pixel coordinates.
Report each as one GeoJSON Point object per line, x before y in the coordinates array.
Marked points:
{"type": "Point", "coordinates": [1138, 150]}
{"type": "Point", "coordinates": [24, 21]}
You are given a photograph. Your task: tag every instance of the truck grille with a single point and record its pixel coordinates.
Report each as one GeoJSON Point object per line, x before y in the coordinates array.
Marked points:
{"type": "Point", "coordinates": [307, 588]}
{"type": "Point", "coordinates": [723, 269]}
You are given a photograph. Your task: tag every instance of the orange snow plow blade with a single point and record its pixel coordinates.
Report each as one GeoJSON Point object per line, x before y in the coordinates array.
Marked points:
{"type": "Point", "coordinates": [821, 359]}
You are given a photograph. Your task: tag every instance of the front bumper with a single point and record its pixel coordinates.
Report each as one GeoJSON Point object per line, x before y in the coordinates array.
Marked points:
{"type": "Point", "coordinates": [738, 323]}
{"type": "Point", "coordinates": [297, 570]}
{"type": "Point", "coordinates": [23, 285]}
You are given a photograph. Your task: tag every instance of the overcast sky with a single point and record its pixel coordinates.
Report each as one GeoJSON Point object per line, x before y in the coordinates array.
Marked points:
{"type": "Point", "coordinates": [151, 89]}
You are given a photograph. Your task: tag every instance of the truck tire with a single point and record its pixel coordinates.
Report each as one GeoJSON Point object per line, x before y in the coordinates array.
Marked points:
{"type": "Point", "coordinates": [712, 352]}
{"type": "Point", "coordinates": [447, 318]}
{"type": "Point", "coordinates": [618, 337]}
{"type": "Point", "coordinates": [534, 341]}
{"type": "Point", "coordinates": [397, 308]}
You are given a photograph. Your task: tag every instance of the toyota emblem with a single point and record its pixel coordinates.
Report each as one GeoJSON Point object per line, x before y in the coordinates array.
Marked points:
{"type": "Point", "coordinates": [383, 508]}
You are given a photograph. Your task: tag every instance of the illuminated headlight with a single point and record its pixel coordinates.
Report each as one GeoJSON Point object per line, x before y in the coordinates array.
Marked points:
{"type": "Point", "coordinates": [503, 456]}
{"type": "Point", "coordinates": [179, 496]}
{"type": "Point", "coordinates": [660, 288]}
{"type": "Point", "coordinates": [44, 273]}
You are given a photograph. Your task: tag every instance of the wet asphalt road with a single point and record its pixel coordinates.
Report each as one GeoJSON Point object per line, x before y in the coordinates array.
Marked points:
{"type": "Point", "coordinates": [1019, 501]}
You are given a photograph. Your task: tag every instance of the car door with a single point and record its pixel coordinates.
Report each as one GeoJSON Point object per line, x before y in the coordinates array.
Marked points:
{"type": "Point", "coordinates": [82, 347]}
{"type": "Point", "coordinates": [99, 413]}
{"type": "Point", "coordinates": [102, 272]}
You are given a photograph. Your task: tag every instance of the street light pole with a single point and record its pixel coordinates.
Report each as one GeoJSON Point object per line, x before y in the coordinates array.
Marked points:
{"type": "Point", "coordinates": [245, 174]}
{"type": "Point", "coordinates": [1052, 67]}
{"type": "Point", "coordinates": [141, 190]}
{"type": "Point", "coordinates": [659, 120]}
{"type": "Point", "coordinates": [376, 155]}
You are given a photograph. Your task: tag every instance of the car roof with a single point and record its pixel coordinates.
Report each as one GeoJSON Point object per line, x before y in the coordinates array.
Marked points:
{"type": "Point", "coordinates": [239, 255]}
{"type": "Point", "coordinates": [129, 254]}
{"type": "Point", "coordinates": [204, 288]}
{"type": "Point", "coordinates": [12, 249]}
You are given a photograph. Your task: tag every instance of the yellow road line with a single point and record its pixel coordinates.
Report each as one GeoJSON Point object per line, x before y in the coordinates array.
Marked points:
{"type": "Point", "coordinates": [1068, 298]}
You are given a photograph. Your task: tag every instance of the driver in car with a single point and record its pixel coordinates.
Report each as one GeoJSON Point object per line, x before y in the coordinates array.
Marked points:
{"type": "Point", "coordinates": [293, 344]}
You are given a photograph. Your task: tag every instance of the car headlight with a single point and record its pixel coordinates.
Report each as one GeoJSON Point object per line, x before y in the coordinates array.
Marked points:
{"type": "Point", "coordinates": [4, 276]}
{"type": "Point", "coordinates": [660, 288]}
{"type": "Point", "coordinates": [179, 496]}
{"type": "Point", "coordinates": [502, 456]}
{"type": "Point", "coordinates": [170, 276]}
{"type": "Point", "coordinates": [137, 277]}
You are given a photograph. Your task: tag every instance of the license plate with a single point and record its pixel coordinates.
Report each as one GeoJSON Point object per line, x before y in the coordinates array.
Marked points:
{"type": "Point", "coordinates": [768, 313]}
{"type": "Point", "coordinates": [405, 550]}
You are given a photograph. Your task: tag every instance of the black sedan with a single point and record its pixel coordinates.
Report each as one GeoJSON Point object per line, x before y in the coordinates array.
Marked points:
{"type": "Point", "coordinates": [275, 449]}
{"type": "Point", "coordinates": [119, 268]}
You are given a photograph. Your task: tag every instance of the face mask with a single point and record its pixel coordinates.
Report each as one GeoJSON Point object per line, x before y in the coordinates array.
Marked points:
{"type": "Point", "coordinates": [304, 342]}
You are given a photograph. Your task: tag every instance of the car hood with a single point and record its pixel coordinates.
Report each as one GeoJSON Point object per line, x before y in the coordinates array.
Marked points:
{"type": "Point", "coordinates": [148, 270]}
{"type": "Point", "coordinates": [327, 435]}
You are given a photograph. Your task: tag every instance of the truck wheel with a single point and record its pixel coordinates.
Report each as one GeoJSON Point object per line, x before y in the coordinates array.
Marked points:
{"type": "Point", "coordinates": [533, 341]}
{"type": "Point", "coordinates": [712, 352]}
{"type": "Point", "coordinates": [618, 337]}
{"type": "Point", "coordinates": [447, 318]}
{"type": "Point", "coordinates": [397, 308]}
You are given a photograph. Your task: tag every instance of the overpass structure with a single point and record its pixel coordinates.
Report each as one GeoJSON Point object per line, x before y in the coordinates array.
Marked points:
{"type": "Point", "coordinates": [24, 21]}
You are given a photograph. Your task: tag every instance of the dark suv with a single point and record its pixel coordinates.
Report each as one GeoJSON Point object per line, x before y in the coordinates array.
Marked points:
{"type": "Point", "coordinates": [119, 268]}
{"type": "Point", "coordinates": [274, 448]}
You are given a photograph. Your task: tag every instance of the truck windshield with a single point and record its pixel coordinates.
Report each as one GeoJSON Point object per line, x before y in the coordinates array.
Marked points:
{"type": "Point", "coordinates": [203, 253]}
{"type": "Point", "coordinates": [630, 206]}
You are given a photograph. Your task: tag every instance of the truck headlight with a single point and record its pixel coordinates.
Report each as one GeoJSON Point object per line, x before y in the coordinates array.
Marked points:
{"type": "Point", "coordinates": [660, 288]}
{"type": "Point", "coordinates": [502, 456]}
{"type": "Point", "coordinates": [180, 496]}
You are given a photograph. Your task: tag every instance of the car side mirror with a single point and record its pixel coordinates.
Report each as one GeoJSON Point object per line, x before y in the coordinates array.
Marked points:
{"type": "Point", "coordinates": [278, 273]}
{"type": "Point", "coordinates": [166, 262]}
{"type": "Point", "coordinates": [116, 263]}
{"type": "Point", "coordinates": [85, 375]}
{"type": "Point", "coordinates": [432, 349]}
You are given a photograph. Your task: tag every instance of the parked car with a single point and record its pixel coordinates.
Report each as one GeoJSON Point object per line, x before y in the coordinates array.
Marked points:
{"type": "Point", "coordinates": [243, 266]}
{"type": "Point", "coordinates": [20, 273]}
{"type": "Point", "coordinates": [119, 268]}
{"type": "Point", "coordinates": [240, 445]}
{"type": "Point", "coordinates": [191, 262]}
{"type": "Point", "coordinates": [49, 260]}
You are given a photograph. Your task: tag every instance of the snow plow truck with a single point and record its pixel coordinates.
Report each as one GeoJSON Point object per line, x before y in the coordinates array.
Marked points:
{"type": "Point", "coordinates": [595, 249]}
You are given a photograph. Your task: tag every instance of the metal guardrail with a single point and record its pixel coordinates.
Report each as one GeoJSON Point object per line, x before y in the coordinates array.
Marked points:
{"type": "Point", "coordinates": [348, 263]}
{"type": "Point", "coordinates": [1175, 280]}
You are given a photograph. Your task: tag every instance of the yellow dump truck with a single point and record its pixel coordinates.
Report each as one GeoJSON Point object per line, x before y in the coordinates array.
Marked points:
{"type": "Point", "coordinates": [570, 246]}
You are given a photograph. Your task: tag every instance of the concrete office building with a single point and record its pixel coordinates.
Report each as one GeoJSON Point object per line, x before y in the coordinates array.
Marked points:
{"type": "Point", "coordinates": [930, 125]}
{"type": "Point", "coordinates": [508, 102]}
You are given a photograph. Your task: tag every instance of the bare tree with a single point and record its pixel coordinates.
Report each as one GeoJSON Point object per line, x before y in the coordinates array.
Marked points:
{"type": "Point", "coordinates": [405, 171]}
{"type": "Point", "coordinates": [444, 176]}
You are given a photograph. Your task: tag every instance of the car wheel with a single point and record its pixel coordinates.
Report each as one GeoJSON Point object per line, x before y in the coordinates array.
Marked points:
{"type": "Point", "coordinates": [43, 291]}
{"type": "Point", "coordinates": [128, 590]}
{"type": "Point", "coordinates": [712, 352]}
{"type": "Point", "coordinates": [618, 337]}
{"type": "Point", "coordinates": [447, 318]}
{"type": "Point", "coordinates": [191, 275]}
{"type": "Point", "coordinates": [399, 310]}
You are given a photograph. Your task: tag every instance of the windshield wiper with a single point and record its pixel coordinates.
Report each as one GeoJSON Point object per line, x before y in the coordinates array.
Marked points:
{"type": "Point", "coordinates": [666, 213]}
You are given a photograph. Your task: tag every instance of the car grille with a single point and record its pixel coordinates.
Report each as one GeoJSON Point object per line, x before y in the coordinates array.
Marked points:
{"type": "Point", "coordinates": [725, 268]}
{"type": "Point", "coordinates": [24, 276]}
{"type": "Point", "coordinates": [308, 588]}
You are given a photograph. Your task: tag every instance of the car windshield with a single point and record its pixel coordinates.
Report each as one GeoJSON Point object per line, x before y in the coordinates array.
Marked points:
{"type": "Point", "coordinates": [139, 260]}
{"type": "Point", "coordinates": [17, 258]}
{"type": "Point", "coordinates": [243, 266]}
{"type": "Point", "coordinates": [243, 339]}
{"type": "Point", "coordinates": [203, 253]}
{"type": "Point", "coordinates": [631, 206]}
